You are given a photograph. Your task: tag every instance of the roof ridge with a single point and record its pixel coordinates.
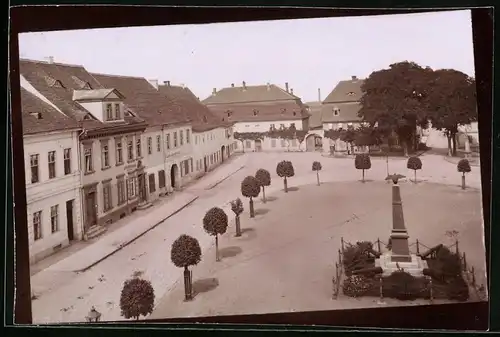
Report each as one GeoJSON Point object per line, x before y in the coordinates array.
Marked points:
{"type": "Point", "coordinates": [120, 76]}
{"type": "Point", "coordinates": [54, 63]}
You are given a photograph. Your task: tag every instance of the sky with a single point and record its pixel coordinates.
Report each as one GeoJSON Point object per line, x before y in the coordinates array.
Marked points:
{"type": "Point", "coordinates": [307, 53]}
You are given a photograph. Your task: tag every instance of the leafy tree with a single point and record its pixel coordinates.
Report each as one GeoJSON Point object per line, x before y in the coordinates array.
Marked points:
{"type": "Point", "coordinates": [253, 136]}
{"type": "Point", "coordinates": [348, 136]}
{"type": "Point", "coordinates": [264, 179]}
{"type": "Point", "coordinates": [463, 166]}
{"type": "Point", "coordinates": [362, 162]}
{"type": "Point", "coordinates": [237, 208]}
{"type": "Point", "coordinates": [414, 163]}
{"type": "Point", "coordinates": [451, 103]}
{"type": "Point", "coordinates": [215, 223]}
{"type": "Point", "coordinates": [317, 167]}
{"type": "Point", "coordinates": [287, 134]}
{"type": "Point", "coordinates": [393, 99]}
{"type": "Point", "coordinates": [250, 188]}
{"type": "Point", "coordinates": [185, 252]}
{"type": "Point", "coordinates": [137, 298]}
{"type": "Point", "coordinates": [285, 170]}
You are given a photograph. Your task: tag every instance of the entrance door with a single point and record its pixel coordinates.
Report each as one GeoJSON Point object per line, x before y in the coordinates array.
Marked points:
{"type": "Point", "coordinates": [91, 209]}
{"type": "Point", "coordinates": [258, 145]}
{"type": "Point", "coordinates": [205, 165]}
{"type": "Point", "coordinates": [142, 186]}
{"type": "Point", "coordinates": [69, 219]}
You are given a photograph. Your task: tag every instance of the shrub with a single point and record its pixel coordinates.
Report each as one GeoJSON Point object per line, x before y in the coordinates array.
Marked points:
{"type": "Point", "coordinates": [358, 257]}
{"type": "Point", "coordinates": [356, 285]}
{"type": "Point", "coordinates": [463, 166]}
{"type": "Point", "coordinates": [264, 179]}
{"type": "Point", "coordinates": [285, 170]}
{"type": "Point", "coordinates": [237, 208]}
{"type": "Point", "coordinates": [185, 252]}
{"type": "Point", "coordinates": [458, 289]}
{"type": "Point", "coordinates": [414, 163]}
{"type": "Point", "coordinates": [137, 298]}
{"type": "Point", "coordinates": [250, 188]}
{"type": "Point", "coordinates": [215, 223]}
{"type": "Point", "coordinates": [362, 162]}
{"type": "Point", "coordinates": [316, 166]}
{"type": "Point", "coordinates": [402, 286]}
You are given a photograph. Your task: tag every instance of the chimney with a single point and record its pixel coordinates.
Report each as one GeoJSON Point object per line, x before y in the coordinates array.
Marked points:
{"type": "Point", "coordinates": [319, 95]}
{"type": "Point", "coordinates": [286, 86]}
{"type": "Point", "coordinates": [50, 59]}
{"type": "Point", "coordinates": [291, 91]}
{"type": "Point", "coordinates": [232, 85]}
{"type": "Point", "coordinates": [154, 83]}
{"type": "Point", "coordinates": [244, 85]}
{"type": "Point", "coordinates": [399, 235]}
{"type": "Point", "coordinates": [268, 86]}
{"type": "Point", "coordinates": [167, 83]}
{"type": "Point", "coordinates": [214, 91]}
{"type": "Point", "coordinates": [354, 78]}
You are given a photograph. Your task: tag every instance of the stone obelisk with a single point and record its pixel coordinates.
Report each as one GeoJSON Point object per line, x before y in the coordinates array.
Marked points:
{"type": "Point", "coordinates": [400, 250]}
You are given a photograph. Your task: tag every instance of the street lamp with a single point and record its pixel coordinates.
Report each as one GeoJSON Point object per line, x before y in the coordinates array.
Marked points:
{"type": "Point", "coordinates": [93, 316]}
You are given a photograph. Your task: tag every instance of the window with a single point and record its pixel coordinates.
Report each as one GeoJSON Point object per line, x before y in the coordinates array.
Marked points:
{"type": "Point", "coordinates": [130, 149]}
{"type": "Point", "coordinates": [150, 145]}
{"type": "Point", "coordinates": [138, 146]}
{"type": "Point", "coordinates": [175, 139]}
{"type": "Point", "coordinates": [191, 164]}
{"type": "Point", "coordinates": [292, 125]}
{"type": "Point", "coordinates": [273, 142]}
{"type": "Point", "coordinates": [340, 125]}
{"type": "Point", "coordinates": [197, 165]}
{"type": "Point", "coordinates": [52, 164]}
{"type": "Point", "coordinates": [152, 187]}
{"type": "Point", "coordinates": [196, 140]}
{"type": "Point", "coordinates": [109, 112]}
{"type": "Point", "coordinates": [67, 161]}
{"type": "Point", "coordinates": [119, 152]}
{"type": "Point", "coordinates": [181, 136]}
{"type": "Point", "coordinates": [131, 187]}
{"type": "Point", "coordinates": [106, 194]}
{"type": "Point", "coordinates": [282, 126]}
{"type": "Point", "coordinates": [186, 167]}
{"type": "Point", "coordinates": [336, 111]}
{"type": "Point", "coordinates": [248, 144]}
{"type": "Point", "coordinates": [283, 143]}
{"type": "Point", "coordinates": [120, 184]}
{"type": "Point", "coordinates": [105, 154]}
{"type": "Point", "coordinates": [168, 141]}
{"type": "Point", "coordinates": [161, 179]}
{"type": "Point", "coordinates": [89, 165]}
{"type": "Point", "coordinates": [117, 111]}
{"type": "Point", "coordinates": [54, 218]}
{"type": "Point", "coordinates": [188, 136]}
{"type": "Point", "coordinates": [158, 143]}
{"type": "Point", "coordinates": [37, 225]}
{"type": "Point", "coordinates": [34, 168]}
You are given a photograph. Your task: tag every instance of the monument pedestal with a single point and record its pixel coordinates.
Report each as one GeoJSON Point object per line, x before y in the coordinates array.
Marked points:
{"type": "Point", "coordinates": [415, 267]}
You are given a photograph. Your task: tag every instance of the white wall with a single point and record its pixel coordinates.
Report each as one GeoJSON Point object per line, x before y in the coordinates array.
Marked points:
{"type": "Point", "coordinates": [95, 108]}
{"type": "Point", "coordinates": [176, 154]}
{"type": "Point", "coordinates": [209, 143]}
{"type": "Point", "coordinates": [265, 126]}
{"type": "Point", "coordinates": [50, 192]}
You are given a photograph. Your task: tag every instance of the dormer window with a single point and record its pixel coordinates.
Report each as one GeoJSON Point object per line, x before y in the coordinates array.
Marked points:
{"type": "Point", "coordinates": [205, 120]}
{"type": "Point", "coordinates": [87, 117]}
{"type": "Point", "coordinates": [255, 112]}
{"type": "Point", "coordinates": [87, 86]}
{"type": "Point", "coordinates": [350, 93]}
{"type": "Point", "coordinates": [37, 115]}
{"type": "Point", "coordinates": [117, 111]}
{"type": "Point", "coordinates": [295, 113]}
{"type": "Point", "coordinates": [283, 110]}
{"type": "Point", "coordinates": [336, 111]}
{"type": "Point", "coordinates": [109, 112]}
{"type": "Point", "coordinates": [52, 82]}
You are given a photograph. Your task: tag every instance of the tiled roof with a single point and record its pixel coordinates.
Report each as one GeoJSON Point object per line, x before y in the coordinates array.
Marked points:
{"type": "Point", "coordinates": [40, 117]}
{"type": "Point", "coordinates": [347, 112]}
{"type": "Point", "coordinates": [345, 91]}
{"type": "Point", "coordinates": [261, 112]}
{"type": "Point", "coordinates": [145, 100]}
{"type": "Point", "coordinates": [315, 121]}
{"type": "Point", "coordinates": [57, 82]}
{"type": "Point", "coordinates": [81, 95]}
{"type": "Point", "coordinates": [249, 94]}
{"type": "Point", "coordinates": [201, 117]}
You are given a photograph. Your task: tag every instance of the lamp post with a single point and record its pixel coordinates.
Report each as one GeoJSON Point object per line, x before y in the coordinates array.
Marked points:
{"type": "Point", "coordinates": [93, 316]}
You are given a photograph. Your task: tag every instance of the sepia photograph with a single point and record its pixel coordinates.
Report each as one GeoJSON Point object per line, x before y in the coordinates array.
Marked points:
{"type": "Point", "coordinates": [257, 167]}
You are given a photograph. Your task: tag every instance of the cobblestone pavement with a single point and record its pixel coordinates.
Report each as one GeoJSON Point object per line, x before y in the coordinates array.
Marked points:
{"type": "Point", "coordinates": [149, 255]}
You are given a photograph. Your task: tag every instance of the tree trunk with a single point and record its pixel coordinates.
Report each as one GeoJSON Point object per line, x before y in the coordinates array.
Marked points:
{"type": "Point", "coordinates": [217, 248]}
{"type": "Point", "coordinates": [187, 284]}
{"type": "Point", "coordinates": [264, 194]}
{"type": "Point", "coordinates": [137, 318]}
{"type": "Point", "coordinates": [450, 153]}
{"type": "Point", "coordinates": [454, 143]}
{"type": "Point", "coordinates": [405, 148]}
{"type": "Point", "coordinates": [286, 186]}
{"type": "Point", "coordinates": [415, 171]}
{"type": "Point", "coordinates": [252, 213]}
{"type": "Point", "coordinates": [317, 177]}
{"type": "Point", "coordinates": [363, 180]}
{"type": "Point", "coordinates": [463, 180]}
{"type": "Point", "coordinates": [238, 226]}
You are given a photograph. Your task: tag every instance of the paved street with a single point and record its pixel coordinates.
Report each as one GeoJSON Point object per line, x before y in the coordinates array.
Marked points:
{"type": "Point", "coordinates": [149, 256]}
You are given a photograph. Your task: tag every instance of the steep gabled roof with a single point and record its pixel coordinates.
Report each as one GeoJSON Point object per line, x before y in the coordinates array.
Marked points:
{"type": "Point", "coordinates": [40, 117]}
{"type": "Point", "coordinates": [346, 112]}
{"type": "Point", "coordinates": [201, 117]}
{"type": "Point", "coordinates": [145, 100]}
{"type": "Point", "coordinates": [315, 120]}
{"type": "Point", "coordinates": [346, 91]}
{"type": "Point", "coordinates": [249, 94]}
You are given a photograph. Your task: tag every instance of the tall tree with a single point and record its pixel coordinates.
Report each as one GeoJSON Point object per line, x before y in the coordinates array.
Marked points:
{"type": "Point", "coordinates": [451, 103]}
{"type": "Point", "coordinates": [264, 179]}
{"type": "Point", "coordinates": [215, 223]}
{"type": "Point", "coordinates": [392, 100]}
{"type": "Point", "coordinates": [250, 188]}
{"type": "Point", "coordinates": [137, 298]}
{"type": "Point", "coordinates": [185, 252]}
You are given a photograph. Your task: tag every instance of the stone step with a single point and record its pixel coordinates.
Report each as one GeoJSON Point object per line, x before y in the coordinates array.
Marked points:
{"type": "Point", "coordinates": [94, 232]}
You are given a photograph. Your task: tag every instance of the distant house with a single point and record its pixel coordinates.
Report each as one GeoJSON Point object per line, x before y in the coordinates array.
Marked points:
{"type": "Point", "coordinates": [212, 138]}
{"type": "Point", "coordinates": [255, 109]}
{"type": "Point", "coordinates": [339, 111]}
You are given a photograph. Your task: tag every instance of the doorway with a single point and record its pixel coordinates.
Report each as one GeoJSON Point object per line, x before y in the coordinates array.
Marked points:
{"type": "Point", "coordinates": [258, 145]}
{"type": "Point", "coordinates": [142, 187]}
{"type": "Point", "coordinates": [205, 164]}
{"type": "Point", "coordinates": [173, 175]}
{"type": "Point", "coordinates": [69, 219]}
{"type": "Point", "coordinates": [222, 153]}
{"type": "Point", "coordinates": [91, 208]}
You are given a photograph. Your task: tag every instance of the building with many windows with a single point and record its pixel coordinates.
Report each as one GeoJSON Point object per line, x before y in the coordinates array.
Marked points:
{"type": "Point", "coordinates": [257, 109]}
